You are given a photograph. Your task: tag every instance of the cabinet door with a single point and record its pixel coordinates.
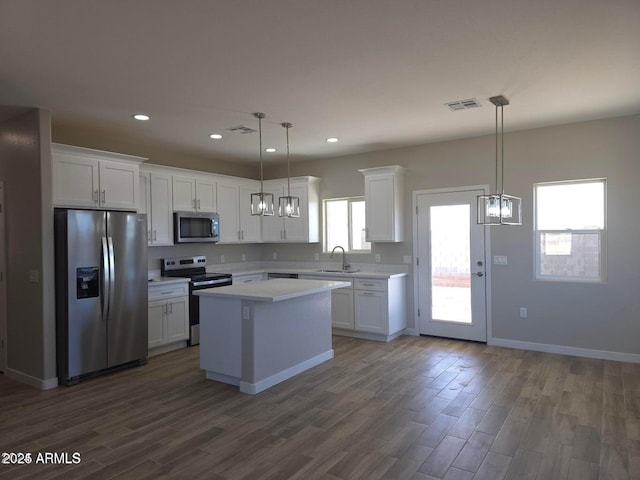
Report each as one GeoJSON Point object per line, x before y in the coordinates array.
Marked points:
{"type": "Point", "coordinates": [249, 224]}
{"type": "Point", "coordinates": [342, 308]}
{"type": "Point", "coordinates": [227, 197]}
{"type": "Point", "coordinates": [157, 324]}
{"type": "Point", "coordinates": [177, 319]}
{"type": "Point", "coordinates": [370, 311]}
{"type": "Point", "coordinates": [145, 194]}
{"type": "Point", "coordinates": [273, 227]}
{"type": "Point", "coordinates": [206, 195]}
{"type": "Point", "coordinates": [145, 201]}
{"type": "Point", "coordinates": [75, 181]}
{"type": "Point", "coordinates": [379, 207]}
{"type": "Point", "coordinates": [161, 215]}
{"type": "Point", "coordinates": [184, 194]}
{"type": "Point", "coordinates": [119, 185]}
{"type": "Point", "coordinates": [297, 229]}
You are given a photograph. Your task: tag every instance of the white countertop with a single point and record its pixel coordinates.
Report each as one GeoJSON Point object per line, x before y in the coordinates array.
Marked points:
{"type": "Point", "coordinates": [274, 290]}
{"type": "Point", "coordinates": [167, 280]}
{"type": "Point", "coordinates": [316, 272]}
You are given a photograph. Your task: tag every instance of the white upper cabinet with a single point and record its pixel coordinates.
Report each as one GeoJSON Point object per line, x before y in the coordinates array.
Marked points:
{"type": "Point", "coordinates": [384, 201]}
{"type": "Point", "coordinates": [237, 225]}
{"type": "Point", "coordinates": [303, 229]}
{"type": "Point", "coordinates": [194, 194]}
{"type": "Point", "coordinates": [155, 201]}
{"type": "Point", "coordinates": [88, 178]}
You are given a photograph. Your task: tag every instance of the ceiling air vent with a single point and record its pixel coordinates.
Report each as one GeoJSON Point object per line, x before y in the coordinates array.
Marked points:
{"type": "Point", "coordinates": [463, 104]}
{"type": "Point", "coordinates": [241, 129]}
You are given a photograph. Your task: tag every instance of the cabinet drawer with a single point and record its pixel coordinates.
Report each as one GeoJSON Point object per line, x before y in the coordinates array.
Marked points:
{"type": "Point", "coordinates": [167, 291]}
{"type": "Point", "coordinates": [369, 284]}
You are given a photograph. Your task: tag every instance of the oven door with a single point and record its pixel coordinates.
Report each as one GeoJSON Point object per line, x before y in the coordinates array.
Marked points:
{"type": "Point", "coordinates": [192, 227]}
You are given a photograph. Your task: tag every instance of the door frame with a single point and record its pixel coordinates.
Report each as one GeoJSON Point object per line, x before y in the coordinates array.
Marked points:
{"type": "Point", "coordinates": [487, 254]}
{"type": "Point", "coordinates": [3, 283]}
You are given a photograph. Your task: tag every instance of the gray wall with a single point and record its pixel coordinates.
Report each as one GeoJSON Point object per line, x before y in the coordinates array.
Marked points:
{"type": "Point", "coordinates": [593, 316]}
{"type": "Point", "coordinates": [122, 141]}
{"type": "Point", "coordinates": [25, 163]}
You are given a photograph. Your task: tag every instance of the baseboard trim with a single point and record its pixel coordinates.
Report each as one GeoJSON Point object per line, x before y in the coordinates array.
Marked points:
{"type": "Point", "coordinates": [253, 388]}
{"type": "Point", "coordinates": [411, 331]}
{"type": "Point", "coordinates": [40, 384]}
{"type": "Point", "coordinates": [167, 348]}
{"type": "Point", "coordinates": [565, 350]}
{"type": "Point", "coordinates": [221, 377]}
{"type": "Point", "coordinates": [376, 337]}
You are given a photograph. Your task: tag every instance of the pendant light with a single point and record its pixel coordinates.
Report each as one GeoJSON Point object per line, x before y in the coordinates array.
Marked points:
{"type": "Point", "coordinates": [499, 208]}
{"type": "Point", "coordinates": [262, 202]}
{"type": "Point", "coordinates": [288, 206]}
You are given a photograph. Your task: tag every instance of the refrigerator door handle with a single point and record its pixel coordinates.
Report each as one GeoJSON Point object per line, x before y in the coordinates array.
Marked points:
{"type": "Point", "coordinates": [106, 282]}
{"type": "Point", "coordinates": [112, 275]}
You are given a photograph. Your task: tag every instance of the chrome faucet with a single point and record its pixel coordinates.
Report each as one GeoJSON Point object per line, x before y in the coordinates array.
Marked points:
{"type": "Point", "coordinates": [345, 265]}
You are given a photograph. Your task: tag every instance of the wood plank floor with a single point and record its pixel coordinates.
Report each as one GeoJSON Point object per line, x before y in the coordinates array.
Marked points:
{"type": "Point", "coordinates": [415, 408]}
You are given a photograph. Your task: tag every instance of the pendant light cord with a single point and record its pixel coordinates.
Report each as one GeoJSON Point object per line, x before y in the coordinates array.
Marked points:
{"type": "Point", "coordinates": [502, 149]}
{"type": "Point", "coordinates": [260, 116]}
{"type": "Point", "coordinates": [497, 184]}
{"type": "Point", "coordinates": [288, 163]}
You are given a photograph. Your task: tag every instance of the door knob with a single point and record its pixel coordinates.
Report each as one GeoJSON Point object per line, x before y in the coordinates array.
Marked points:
{"type": "Point", "coordinates": [480, 274]}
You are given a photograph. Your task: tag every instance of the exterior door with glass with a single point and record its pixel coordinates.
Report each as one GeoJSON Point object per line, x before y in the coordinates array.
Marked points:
{"type": "Point", "coordinates": [451, 280]}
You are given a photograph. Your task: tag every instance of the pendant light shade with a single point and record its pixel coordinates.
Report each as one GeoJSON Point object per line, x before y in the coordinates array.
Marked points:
{"type": "Point", "coordinates": [499, 208]}
{"type": "Point", "coordinates": [261, 202]}
{"type": "Point", "coordinates": [288, 206]}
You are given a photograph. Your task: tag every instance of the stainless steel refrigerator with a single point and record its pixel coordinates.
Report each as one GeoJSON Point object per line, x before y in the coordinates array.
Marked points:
{"type": "Point", "coordinates": [101, 292]}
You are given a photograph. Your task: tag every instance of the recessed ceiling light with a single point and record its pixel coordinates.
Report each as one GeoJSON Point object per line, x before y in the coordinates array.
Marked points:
{"type": "Point", "coordinates": [332, 140]}
{"type": "Point", "coordinates": [270, 149]}
{"type": "Point", "coordinates": [215, 136]}
{"type": "Point", "coordinates": [141, 116]}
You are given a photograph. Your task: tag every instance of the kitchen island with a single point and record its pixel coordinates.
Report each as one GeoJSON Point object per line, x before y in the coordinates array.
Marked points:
{"type": "Point", "coordinates": [256, 335]}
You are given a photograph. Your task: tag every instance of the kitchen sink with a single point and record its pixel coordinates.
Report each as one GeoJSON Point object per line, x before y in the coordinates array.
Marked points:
{"type": "Point", "coordinates": [326, 270]}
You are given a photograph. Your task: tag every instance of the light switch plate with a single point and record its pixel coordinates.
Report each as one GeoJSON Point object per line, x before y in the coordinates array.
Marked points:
{"type": "Point", "coordinates": [221, 258]}
{"type": "Point", "coordinates": [316, 256]}
{"type": "Point", "coordinates": [244, 257]}
{"type": "Point", "coordinates": [500, 260]}
{"type": "Point", "coordinates": [275, 255]}
{"type": "Point", "coordinates": [377, 258]}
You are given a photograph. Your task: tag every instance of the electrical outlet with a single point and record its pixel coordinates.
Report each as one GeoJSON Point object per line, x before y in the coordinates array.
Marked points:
{"type": "Point", "coordinates": [221, 258]}
{"type": "Point", "coordinates": [377, 258]}
{"type": "Point", "coordinates": [406, 259]}
{"type": "Point", "coordinates": [246, 314]}
{"type": "Point", "coordinates": [244, 257]}
{"type": "Point", "coordinates": [523, 312]}
{"type": "Point", "coordinates": [34, 276]}
{"type": "Point", "coordinates": [275, 255]}
{"type": "Point", "coordinates": [316, 256]}
{"type": "Point", "coordinates": [500, 260]}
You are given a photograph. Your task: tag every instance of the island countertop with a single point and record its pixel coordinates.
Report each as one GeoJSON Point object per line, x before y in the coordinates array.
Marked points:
{"type": "Point", "coordinates": [274, 290]}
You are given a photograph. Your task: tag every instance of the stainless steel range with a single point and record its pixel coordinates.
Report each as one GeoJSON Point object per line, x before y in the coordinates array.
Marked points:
{"type": "Point", "coordinates": [194, 268]}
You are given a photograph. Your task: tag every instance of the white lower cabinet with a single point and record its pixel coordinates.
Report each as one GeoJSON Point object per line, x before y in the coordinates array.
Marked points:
{"type": "Point", "coordinates": [372, 308]}
{"type": "Point", "coordinates": [168, 317]}
{"type": "Point", "coordinates": [342, 308]}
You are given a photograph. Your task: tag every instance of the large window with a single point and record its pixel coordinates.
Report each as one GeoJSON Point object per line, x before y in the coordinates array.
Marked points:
{"type": "Point", "coordinates": [570, 230]}
{"type": "Point", "coordinates": [344, 224]}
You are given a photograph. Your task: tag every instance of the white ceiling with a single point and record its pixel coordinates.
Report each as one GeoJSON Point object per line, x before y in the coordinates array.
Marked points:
{"type": "Point", "coordinates": [374, 73]}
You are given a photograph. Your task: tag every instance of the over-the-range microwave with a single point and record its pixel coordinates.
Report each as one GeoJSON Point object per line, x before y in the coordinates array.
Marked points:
{"type": "Point", "coordinates": [191, 227]}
